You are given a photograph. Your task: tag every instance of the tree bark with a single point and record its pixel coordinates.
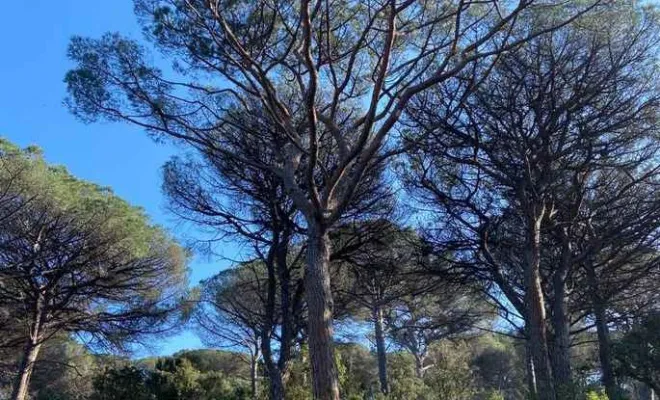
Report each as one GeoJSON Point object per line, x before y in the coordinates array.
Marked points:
{"type": "Point", "coordinates": [275, 376]}
{"type": "Point", "coordinates": [531, 373]}
{"type": "Point", "coordinates": [603, 332]}
{"type": "Point", "coordinates": [253, 376]}
{"type": "Point", "coordinates": [254, 371]}
{"type": "Point", "coordinates": [288, 308]}
{"type": "Point", "coordinates": [608, 378]}
{"type": "Point", "coordinates": [380, 349]}
{"type": "Point", "coordinates": [325, 381]}
{"type": "Point", "coordinates": [22, 382]}
{"type": "Point", "coordinates": [419, 365]}
{"type": "Point", "coordinates": [535, 312]}
{"type": "Point", "coordinates": [561, 360]}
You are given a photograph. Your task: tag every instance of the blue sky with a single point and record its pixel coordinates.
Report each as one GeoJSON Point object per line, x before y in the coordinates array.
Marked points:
{"type": "Point", "coordinates": [33, 39]}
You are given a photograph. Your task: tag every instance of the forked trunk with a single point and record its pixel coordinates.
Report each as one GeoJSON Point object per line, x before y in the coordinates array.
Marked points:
{"type": "Point", "coordinates": [380, 349]}
{"type": "Point", "coordinates": [22, 382]}
{"type": "Point", "coordinates": [325, 382]}
{"type": "Point", "coordinates": [419, 365]}
{"type": "Point", "coordinates": [275, 376]}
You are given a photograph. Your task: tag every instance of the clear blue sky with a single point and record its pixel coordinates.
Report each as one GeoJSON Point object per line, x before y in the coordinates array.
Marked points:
{"type": "Point", "coordinates": [33, 39]}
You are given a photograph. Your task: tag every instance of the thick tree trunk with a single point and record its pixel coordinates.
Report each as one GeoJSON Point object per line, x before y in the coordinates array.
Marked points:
{"type": "Point", "coordinates": [380, 349]}
{"type": "Point", "coordinates": [276, 386]}
{"type": "Point", "coordinates": [535, 313]}
{"type": "Point", "coordinates": [275, 376]}
{"type": "Point", "coordinates": [325, 382]}
{"type": "Point", "coordinates": [22, 382]}
{"type": "Point", "coordinates": [561, 360]}
{"type": "Point", "coordinates": [603, 332]}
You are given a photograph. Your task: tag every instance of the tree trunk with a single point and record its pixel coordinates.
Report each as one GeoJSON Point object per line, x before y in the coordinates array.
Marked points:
{"type": "Point", "coordinates": [608, 378]}
{"type": "Point", "coordinates": [288, 309]}
{"type": "Point", "coordinates": [561, 360]}
{"type": "Point", "coordinates": [535, 313]}
{"type": "Point", "coordinates": [254, 375]}
{"type": "Point", "coordinates": [22, 382]}
{"type": "Point", "coordinates": [380, 349]}
{"type": "Point", "coordinates": [325, 382]}
{"type": "Point", "coordinates": [275, 376]}
{"type": "Point", "coordinates": [276, 386]}
{"type": "Point", "coordinates": [276, 370]}
{"type": "Point", "coordinates": [603, 331]}
{"type": "Point", "coordinates": [531, 374]}
{"type": "Point", "coordinates": [419, 365]}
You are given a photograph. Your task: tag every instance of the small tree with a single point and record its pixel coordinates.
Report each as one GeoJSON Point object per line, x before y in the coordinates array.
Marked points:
{"type": "Point", "coordinates": [378, 272]}
{"type": "Point", "coordinates": [75, 258]}
{"type": "Point", "coordinates": [417, 321]}
{"type": "Point", "coordinates": [231, 312]}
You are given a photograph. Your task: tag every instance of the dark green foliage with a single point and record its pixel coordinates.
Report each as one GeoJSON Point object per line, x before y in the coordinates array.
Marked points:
{"type": "Point", "coordinates": [173, 378]}
{"type": "Point", "coordinates": [123, 383]}
{"type": "Point", "coordinates": [638, 351]}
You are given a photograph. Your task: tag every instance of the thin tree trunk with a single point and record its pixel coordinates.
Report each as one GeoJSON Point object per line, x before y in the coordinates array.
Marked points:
{"type": "Point", "coordinates": [608, 378]}
{"type": "Point", "coordinates": [273, 373]}
{"type": "Point", "coordinates": [276, 370]}
{"type": "Point", "coordinates": [561, 360]}
{"type": "Point", "coordinates": [254, 375]}
{"type": "Point", "coordinates": [531, 373]}
{"type": "Point", "coordinates": [288, 332]}
{"type": "Point", "coordinates": [325, 381]}
{"type": "Point", "coordinates": [30, 352]}
{"type": "Point", "coordinates": [419, 365]}
{"type": "Point", "coordinates": [535, 313]}
{"type": "Point", "coordinates": [603, 332]}
{"type": "Point", "coordinates": [22, 382]}
{"type": "Point", "coordinates": [380, 349]}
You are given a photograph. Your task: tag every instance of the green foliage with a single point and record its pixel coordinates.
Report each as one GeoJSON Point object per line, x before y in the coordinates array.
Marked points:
{"type": "Point", "coordinates": [638, 351]}
{"type": "Point", "coordinates": [596, 395]}
{"type": "Point", "coordinates": [120, 384]}
{"type": "Point", "coordinates": [494, 395]}
{"type": "Point", "coordinates": [451, 375]}
{"type": "Point", "coordinates": [174, 378]}
{"type": "Point", "coordinates": [404, 383]}
{"type": "Point", "coordinates": [210, 360]}
{"type": "Point", "coordinates": [64, 372]}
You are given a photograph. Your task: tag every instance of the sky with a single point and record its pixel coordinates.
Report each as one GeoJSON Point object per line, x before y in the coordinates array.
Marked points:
{"type": "Point", "coordinates": [34, 36]}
